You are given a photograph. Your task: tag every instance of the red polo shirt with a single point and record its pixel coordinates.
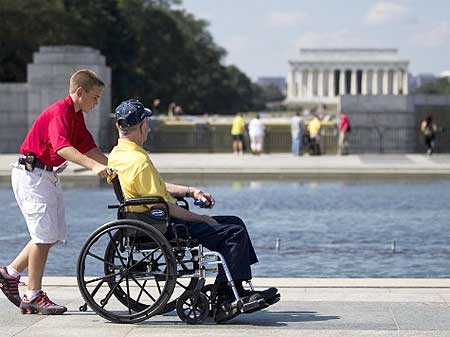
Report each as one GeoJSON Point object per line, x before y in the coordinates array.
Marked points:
{"type": "Point", "coordinates": [58, 126]}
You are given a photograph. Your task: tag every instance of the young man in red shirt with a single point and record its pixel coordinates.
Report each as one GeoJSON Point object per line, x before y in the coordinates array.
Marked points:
{"type": "Point", "coordinates": [57, 136]}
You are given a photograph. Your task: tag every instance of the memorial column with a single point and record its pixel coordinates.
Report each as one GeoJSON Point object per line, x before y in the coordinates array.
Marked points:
{"type": "Point", "coordinates": [353, 82]}
{"type": "Point", "coordinates": [385, 87]}
{"type": "Point", "coordinates": [320, 83]}
{"type": "Point", "coordinates": [395, 82]}
{"type": "Point", "coordinates": [300, 83]}
{"type": "Point", "coordinates": [375, 82]}
{"type": "Point", "coordinates": [341, 82]}
{"type": "Point", "coordinates": [309, 84]}
{"type": "Point", "coordinates": [331, 83]}
{"type": "Point", "coordinates": [364, 82]}
{"type": "Point", "coordinates": [405, 82]}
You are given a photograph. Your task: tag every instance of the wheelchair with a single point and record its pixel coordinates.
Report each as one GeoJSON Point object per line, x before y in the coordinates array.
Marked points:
{"type": "Point", "coordinates": [142, 265]}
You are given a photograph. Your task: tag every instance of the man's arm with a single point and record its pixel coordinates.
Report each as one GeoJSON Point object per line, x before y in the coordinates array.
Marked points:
{"type": "Point", "coordinates": [192, 192]}
{"type": "Point", "coordinates": [72, 154]}
{"type": "Point", "coordinates": [97, 155]}
{"type": "Point", "coordinates": [183, 214]}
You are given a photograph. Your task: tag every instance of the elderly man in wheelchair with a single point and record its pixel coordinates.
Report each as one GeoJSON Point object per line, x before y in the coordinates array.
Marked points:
{"type": "Point", "coordinates": [157, 242]}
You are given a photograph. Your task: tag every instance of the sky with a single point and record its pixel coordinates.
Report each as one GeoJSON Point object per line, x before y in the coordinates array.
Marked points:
{"type": "Point", "coordinates": [261, 36]}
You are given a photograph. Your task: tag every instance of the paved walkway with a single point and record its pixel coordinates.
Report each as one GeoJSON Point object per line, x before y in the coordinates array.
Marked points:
{"type": "Point", "coordinates": [275, 166]}
{"type": "Point", "coordinates": [309, 308]}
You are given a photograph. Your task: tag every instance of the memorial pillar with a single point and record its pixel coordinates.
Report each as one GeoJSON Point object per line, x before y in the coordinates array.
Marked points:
{"type": "Point", "coordinates": [300, 83]}
{"type": "Point", "coordinates": [405, 82]}
{"type": "Point", "coordinates": [375, 82]}
{"type": "Point", "coordinates": [320, 83]}
{"type": "Point", "coordinates": [395, 82]}
{"type": "Point", "coordinates": [309, 85]}
{"type": "Point", "coordinates": [341, 82]}
{"type": "Point", "coordinates": [331, 83]}
{"type": "Point", "coordinates": [385, 87]}
{"type": "Point", "coordinates": [353, 82]}
{"type": "Point", "coordinates": [364, 82]}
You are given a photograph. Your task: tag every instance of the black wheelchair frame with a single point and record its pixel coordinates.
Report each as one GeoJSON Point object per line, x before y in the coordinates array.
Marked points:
{"type": "Point", "coordinates": [136, 268]}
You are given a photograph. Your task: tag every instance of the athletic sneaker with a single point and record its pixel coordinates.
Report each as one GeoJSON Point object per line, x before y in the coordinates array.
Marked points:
{"type": "Point", "coordinates": [40, 304]}
{"type": "Point", "coordinates": [10, 286]}
{"type": "Point", "coordinates": [267, 294]}
{"type": "Point", "coordinates": [270, 296]}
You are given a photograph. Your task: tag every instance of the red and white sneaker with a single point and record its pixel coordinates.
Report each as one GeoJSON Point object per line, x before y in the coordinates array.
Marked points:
{"type": "Point", "coordinates": [40, 304]}
{"type": "Point", "coordinates": [10, 286]}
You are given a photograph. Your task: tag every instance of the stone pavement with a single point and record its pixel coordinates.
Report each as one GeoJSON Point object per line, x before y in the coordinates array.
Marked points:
{"type": "Point", "coordinates": [274, 166]}
{"type": "Point", "coordinates": [309, 308]}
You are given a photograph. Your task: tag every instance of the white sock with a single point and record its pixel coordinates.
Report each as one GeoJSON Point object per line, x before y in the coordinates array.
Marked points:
{"type": "Point", "coordinates": [32, 293]}
{"type": "Point", "coordinates": [12, 271]}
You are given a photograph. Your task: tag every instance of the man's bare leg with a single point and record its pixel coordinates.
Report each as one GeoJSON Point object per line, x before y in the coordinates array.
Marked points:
{"type": "Point", "coordinates": [37, 258]}
{"type": "Point", "coordinates": [21, 261]}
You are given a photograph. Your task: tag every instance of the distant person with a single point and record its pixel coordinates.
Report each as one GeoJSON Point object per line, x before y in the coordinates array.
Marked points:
{"type": "Point", "coordinates": [297, 134]}
{"type": "Point", "coordinates": [344, 134]}
{"type": "Point", "coordinates": [314, 127]}
{"type": "Point", "coordinates": [237, 132]}
{"type": "Point", "coordinates": [57, 136]}
{"type": "Point", "coordinates": [178, 111]}
{"type": "Point", "coordinates": [429, 130]}
{"type": "Point", "coordinates": [156, 105]}
{"type": "Point", "coordinates": [256, 131]}
{"type": "Point", "coordinates": [171, 110]}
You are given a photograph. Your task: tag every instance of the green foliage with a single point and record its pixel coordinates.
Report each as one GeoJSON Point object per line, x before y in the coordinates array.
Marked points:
{"type": "Point", "coordinates": [152, 49]}
{"type": "Point", "coordinates": [440, 86]}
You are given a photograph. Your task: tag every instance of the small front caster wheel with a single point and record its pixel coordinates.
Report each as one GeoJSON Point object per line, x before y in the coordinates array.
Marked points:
{"type": "Point", "coordinates": [193, 307]}
{"type": "Point", "coordinates": [83, 308]}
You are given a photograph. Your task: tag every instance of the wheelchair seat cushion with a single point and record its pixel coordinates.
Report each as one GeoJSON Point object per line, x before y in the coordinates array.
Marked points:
{"type": "Point", "coordinates": [147, 217]}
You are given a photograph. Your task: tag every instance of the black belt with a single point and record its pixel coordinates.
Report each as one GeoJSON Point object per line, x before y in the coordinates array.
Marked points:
{"type": "Point", "coordinates": [33, 164]}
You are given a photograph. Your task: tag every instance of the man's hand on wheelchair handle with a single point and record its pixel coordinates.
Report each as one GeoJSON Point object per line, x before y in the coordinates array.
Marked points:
{"type": "Point", "coordinates": [207, 198]}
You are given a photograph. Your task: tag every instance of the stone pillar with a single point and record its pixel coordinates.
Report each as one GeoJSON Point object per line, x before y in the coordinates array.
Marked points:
{"type": "Point", "coordinates": [405, 82]}
{"type": "Point", "coordinates": [331, 83]}
{"type": "Point", "coordinates": [48, 81]}
{"type": "Point", "coordinates": [291, 84]}
{"type": "Point", "coordinates": [300, 83]}
{"type": "Point", "coordinates": [385, 88]}
{"type": "Point", "coordinates": [364, 82]}
{"type": "Point", "coordinates": [320, 83]}
{"type": "Point", "coordinates": [309, 83]}
{"type": "Point", "coordinates": [353, 82]}
{"type": "Point", "coordinates": [395, 82]}
{"type": "Point", "coordinates": [342, 82]}
{"type": "Point", "coordinates": [375, 82]}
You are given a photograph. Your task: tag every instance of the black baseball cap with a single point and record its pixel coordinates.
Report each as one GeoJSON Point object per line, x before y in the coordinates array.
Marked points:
{"type": "Point", "coordinates": [131, 112]}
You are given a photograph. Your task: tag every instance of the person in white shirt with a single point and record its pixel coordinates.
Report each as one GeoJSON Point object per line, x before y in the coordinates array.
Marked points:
{"type": "Point", "coordinates": [256, 132]}
{"type": "Point", "coordinates": [297, 132]}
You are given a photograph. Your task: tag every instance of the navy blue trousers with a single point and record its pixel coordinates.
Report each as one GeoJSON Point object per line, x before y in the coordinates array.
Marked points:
{"type": "Point", "coordinates": [231, 239]}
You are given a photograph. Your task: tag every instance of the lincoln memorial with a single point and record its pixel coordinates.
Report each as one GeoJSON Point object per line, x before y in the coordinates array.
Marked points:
{"type": "Point", "coordinates": [323, 75]}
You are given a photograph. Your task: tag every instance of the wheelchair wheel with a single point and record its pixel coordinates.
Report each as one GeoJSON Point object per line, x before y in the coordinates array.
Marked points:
{"type": "Point", "coordinates": [126, 271]}
{"type": "Point", "coordinates": [193, 307]}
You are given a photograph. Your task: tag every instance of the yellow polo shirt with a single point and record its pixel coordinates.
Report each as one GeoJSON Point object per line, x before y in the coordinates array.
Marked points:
{"type": "Point", "coordinates": [314, 127]}
{"type": "Point", "coordinates": [137, 174]}
{"type": "Point", "coordinates": [238, 126]}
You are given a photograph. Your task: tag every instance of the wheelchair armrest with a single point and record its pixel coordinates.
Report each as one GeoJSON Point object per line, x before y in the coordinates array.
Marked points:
{"type": "Point", "coordinates": [182, 202]}
{"type": "Point", "coordinates": [143, 201]}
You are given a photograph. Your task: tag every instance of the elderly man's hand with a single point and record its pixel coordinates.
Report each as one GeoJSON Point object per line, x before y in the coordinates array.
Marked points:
{"type": "Point", "coordinates": [207, 198]}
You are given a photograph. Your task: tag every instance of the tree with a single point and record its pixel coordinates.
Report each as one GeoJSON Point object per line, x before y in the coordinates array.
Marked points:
{"type": "Point", "coordinates": [153, 49]}
{"type": "Point", "coordinates": [440, 86]}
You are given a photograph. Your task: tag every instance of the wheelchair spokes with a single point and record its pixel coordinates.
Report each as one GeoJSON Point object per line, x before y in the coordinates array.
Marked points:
{"type": "Point", "coordinates": [136, 276]}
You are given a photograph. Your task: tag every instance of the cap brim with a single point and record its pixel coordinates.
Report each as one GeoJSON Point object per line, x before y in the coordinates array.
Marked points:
{"type": "Point", "coordinates": [148, 111]}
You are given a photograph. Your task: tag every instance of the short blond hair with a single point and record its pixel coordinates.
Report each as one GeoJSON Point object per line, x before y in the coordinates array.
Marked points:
{"type": "Point", "coordinates": [85, 78]}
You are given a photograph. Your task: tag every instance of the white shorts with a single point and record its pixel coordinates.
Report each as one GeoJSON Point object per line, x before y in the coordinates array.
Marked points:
{"type": "Point", "coordinates": [40, 198]}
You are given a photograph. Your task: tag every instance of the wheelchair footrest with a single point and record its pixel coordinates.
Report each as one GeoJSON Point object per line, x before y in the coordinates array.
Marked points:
{"type": "Point", "coordinates": [251, 306]}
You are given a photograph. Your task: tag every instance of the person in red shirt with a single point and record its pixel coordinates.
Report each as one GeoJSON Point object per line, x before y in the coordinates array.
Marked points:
{"type": "Point", "coordinates": [58, 135]}
{"type": "Point", "coordinates": [344, 133]}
